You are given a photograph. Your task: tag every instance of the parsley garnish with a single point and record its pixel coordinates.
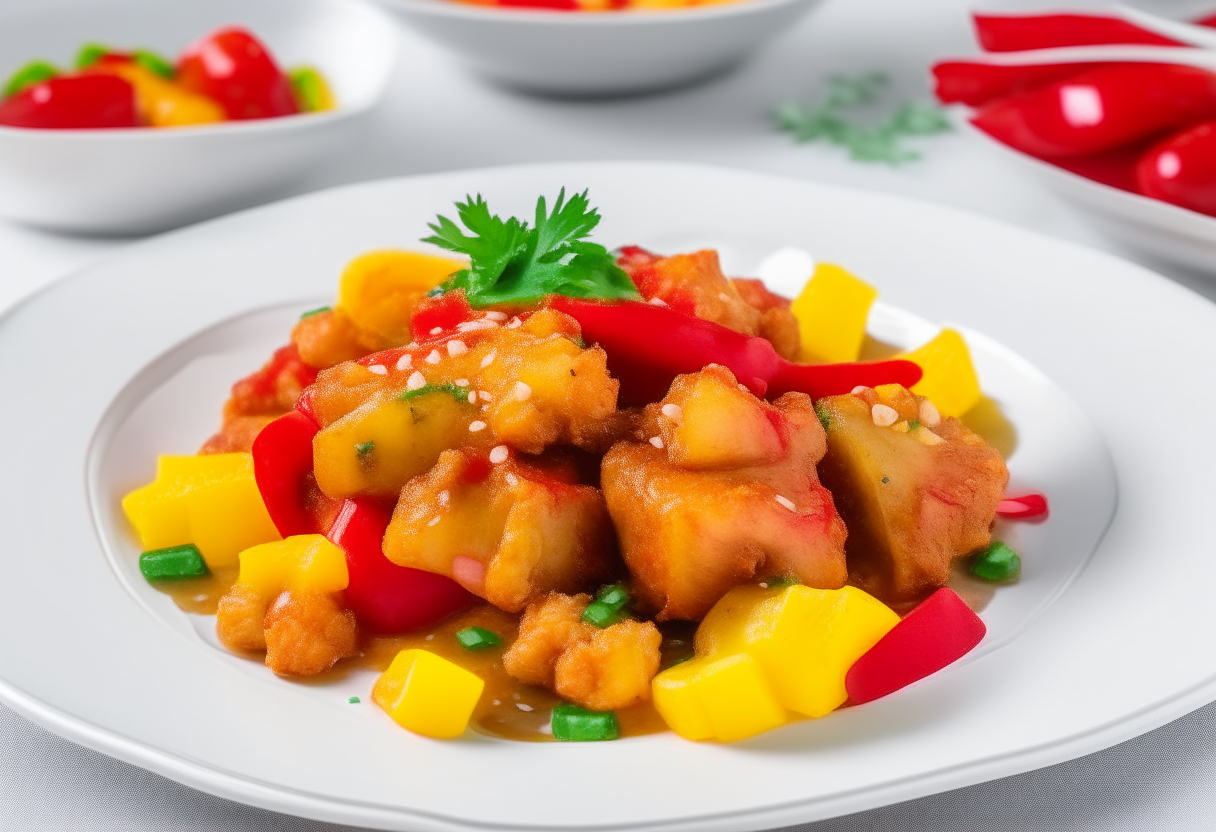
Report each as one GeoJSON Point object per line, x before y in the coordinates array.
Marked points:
{"type": "Point", "coordinates": [510, 262]}
{"type": "Point", "coordinates": [877, 143]}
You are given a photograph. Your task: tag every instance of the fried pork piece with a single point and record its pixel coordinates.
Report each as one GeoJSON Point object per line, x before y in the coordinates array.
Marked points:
{"type": "Point", "coordinates": [724, 491]}
{"type": "Point", "coordinates": [506, 530]}
{"type": "Point", "coordinates": [302, 633]}
{"type": "Point", "coordinates": [331, 337]}
{"type": "Point", "coordinates": [601, 669]}
{"type": "Point", "coordinates": [695, 283]}
{"type": "Point", "coordinates": [916, 490]}
{"type": "Point", "coordinates": [525, 384]}
{"type": "Point", "coordinates": [259, 398]}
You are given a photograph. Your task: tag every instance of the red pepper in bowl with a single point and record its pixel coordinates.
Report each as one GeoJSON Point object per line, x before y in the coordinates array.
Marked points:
{"type": "Point", "coordinates": [78, 102]}
{"type": "Point", "coordinates": [1182, 169]}
{"type": "Point", "coordinates": [975, 83]}
{"type": "Point", "coordinates": [234, 68]}
{"type": "Point", "coordinates": [1017, 33]}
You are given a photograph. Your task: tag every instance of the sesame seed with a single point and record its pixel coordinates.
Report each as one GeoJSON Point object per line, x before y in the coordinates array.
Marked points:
{"type": "Point", "coordinates": [489, 359]}
{"type": "Point", "coordinates": [929, 414]}
{"type": "Point", "coordinates": [462, 382]}
{"type": "Point", "coordinates": [499, 454]}
{"type": "Point", "coordinates": [657, 441]}
{"type": "Point", "coordinates": [787, 502]}
{"type": "Point", "coordinates": [415, 381]}
{"type": "Point", "coordinates": [444, 496]}
{"type": "Point", "coordinates": [470, 326]}
{"type": "Point", "coordinates": [929, 437]}
{"type": "Point", "coordinates": [379, 369]}
{"type": "Point", "coordinates": [522, 392]}
{"type": "Point", "coordinates": [657, 302]}
{"type": "Point", "coordinates": [497, 702]}
{"type": "Point", "coordinates": [472, 397]}
{"type": "Point", "coordinates": [430, 637]}
{"type": "Point", "coordinates": [457, 347]}
{"type": "Point", "coordinates": [436, 330]}
{"type": "Point", "coordinates": [723, 296]}
{"type": "Point", "coordinates": [496, 316]}
{"type": "Point", "coordinates": [673, 411]}
{"type": "Point", "coordinates": [512, 480]}
{"type": "Point", "coordinates": [484, 396]}
{"type": "Point", "coordinates": [884, 416]}
{"type": "Point", "coordinates": [476, 426]}
{"type": "Point", "coordinates": [523, 707]}
{"type": "Point", "coordinates": [433, 358]}
{"type": "Point", "coordinates": [858, 390]}
{"type": "Point", "coordinates": [514, 323]}
{"type": "Point", "coordinates": [432, 521]}
{"type": "Point", "coordinates": [412, 345]}
{"type": "Point", "coordinates": [404, 362]}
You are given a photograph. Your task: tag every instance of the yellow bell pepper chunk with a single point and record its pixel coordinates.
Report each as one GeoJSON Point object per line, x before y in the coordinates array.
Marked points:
{"type": "Point", "coordinates": [378, 289]}
{"type": "Point", "coordinates": [302, 562]}
{"type": "Point", "coordinates": [210, 500]}
{"type": "Point", "coordinates": [831, 311]}
{"type": "Point", "coordinates": [950, 381]}
{"type": "Point", "coordinates": [428, 694]}
{"type": "Point", "coordinates": [163, 103]}
{"type": "Point", "coordinates": [725, 699]}
{"type": "Point", "coordinates": [805, 640]}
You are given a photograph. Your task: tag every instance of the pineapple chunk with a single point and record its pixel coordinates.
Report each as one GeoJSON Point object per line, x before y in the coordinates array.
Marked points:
{"type": "Point", "coordinates": [915, 494]}
{"type": "Point", "coordinates": [832, 311]}
{"type": "Point", "coordinates": [689, 533]}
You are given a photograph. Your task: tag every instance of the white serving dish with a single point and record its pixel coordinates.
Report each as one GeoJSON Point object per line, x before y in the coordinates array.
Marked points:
{"type": "Point", "coordinates": [1107, 635]}
{"type": "Point", "coordinates": [142, 180]}
{"type": "Point", "coordinates": [600, 53]}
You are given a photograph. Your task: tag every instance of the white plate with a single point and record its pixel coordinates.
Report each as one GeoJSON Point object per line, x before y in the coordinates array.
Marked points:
{"type": "Point", "coordinates": [1086, 651]}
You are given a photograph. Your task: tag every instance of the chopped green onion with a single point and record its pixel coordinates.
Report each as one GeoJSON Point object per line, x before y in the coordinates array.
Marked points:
{"type": "Point", "coordinates": [477, 638]}
{"type": "Point", "coordinates": [457, 393]}
{"type": "Point", "coordinates": [354, 700]}
{"type": "Point", "coordinates": [997, 563]}
{"type": "Point", "coordinates": [614, 595]}
{"type": "Point", "coordinates": [913, 425]}
{"type": "Point", "coordinates": [173, 562]}
{"type": "Point", "coordinates": [316, 311]}
{"type": "Point", "coordinates": [154, 63]}
{"type": "Point", "coordinates": [90, 54]}
{"type": "Point", "coordinates": [35, 72]}
{"type": "Point", "coordinates": [574, 724]}
{"type": "Point", "coordinates": [886, 480]}
{"type": "Point", "coordinates": [602, 615]}
{"type": "Point", "coordinates": [781, 581]}
{"type": "Point", "coordinates": [365, 448]}
{"type": "Point", "coordinates": [311, 92]}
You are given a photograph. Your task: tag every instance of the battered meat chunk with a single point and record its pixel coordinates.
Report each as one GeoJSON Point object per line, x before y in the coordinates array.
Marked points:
{"type": "Point", "coordinates": [916, 490]}
{"type": "Point", "coordinates": [723, 491]}
{"type": "Point", "coordinates": [302, 633]}
{"type": "Point", "coordinates": [601, 669]}
{"type": "Point", "coordinates": [507, 530]}
{"type": "Point", "coordinates": [324, 339]}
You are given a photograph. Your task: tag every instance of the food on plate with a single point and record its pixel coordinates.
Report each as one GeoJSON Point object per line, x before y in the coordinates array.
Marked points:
{"type": "Point", "coordinates": [1144, 127]}
{"type": "Point", "coordinates": [557, 492]}
{"type": "Point", "coordinates": [229, 75]}
{"type": "Point", "coordinates": [596, 5]}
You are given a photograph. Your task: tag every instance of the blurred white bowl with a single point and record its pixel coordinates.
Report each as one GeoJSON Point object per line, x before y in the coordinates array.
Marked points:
{"type": "Point", "coordinates": [600, 53]}
{"type": "Point", "coordinates": [142, 180]}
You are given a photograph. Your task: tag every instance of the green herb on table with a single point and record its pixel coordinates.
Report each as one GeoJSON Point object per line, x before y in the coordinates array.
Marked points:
{"type": "Point", "coordinates": [512, 262]}
{"type": "Point", "coordinates": [882, 142]}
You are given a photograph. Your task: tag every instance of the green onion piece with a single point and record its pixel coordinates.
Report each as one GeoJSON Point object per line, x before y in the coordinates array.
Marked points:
{"type": "Point", "coordinates": [886, 480]}
{"type": "Point", "coordinates": [824, 415]}
{"type": "Point", "coordinates": [365, 448]}
{"type": "Point", "coordinates": [35, 72]}
{"type": "Point", "coordinates": [316, 311]}
{"type": "Point", "coordinates": [477, 638]}
{"type": "Point", "coordinates": [90, 54]}
{"type": "Point", "coordinates": [457, 393]}
{"type": "Point", "coordinates": [574, 724]}
{"type": "Point", "coordinates": [354, 700]}
{"type": "Point", "coordinates": [173, 562]}
{"type": "Point", "coordinates": [153, 62]}
{"type": "Point", "coordinates": [913, 425]}
{"type": "Point", "coordinates": [614, 595]}
{"type": "Point", "coordinates": [997, 563]}
{"type": "Point", "coordinates": [781, 581]}
{"type": "Point", "coordinates": [602, 615]}
{"type": "Point", "coordinates": [311, 92]}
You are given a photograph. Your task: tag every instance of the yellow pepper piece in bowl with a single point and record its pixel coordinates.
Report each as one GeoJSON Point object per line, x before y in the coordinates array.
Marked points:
{"type": "Point", "coordinates": [950, 380]}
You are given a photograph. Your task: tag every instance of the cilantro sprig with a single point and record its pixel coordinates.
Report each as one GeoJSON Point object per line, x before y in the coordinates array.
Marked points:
{"type": "Point", "coordinates": [510, 262]}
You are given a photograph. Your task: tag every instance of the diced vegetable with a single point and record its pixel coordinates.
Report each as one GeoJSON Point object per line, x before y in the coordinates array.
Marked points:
{"type": "Point", "coordinates": [74, 102]}
{"type": "Point", "coordinates": [313, 94]}
{"type": "Point", "coordinates": [831, 311]}
{"type": "Point", "coordinates": [570, 723]}
{"type": "Point", "coordinates": [950, 380]}
{"type": "Point", "coordinates": [727, 698]}
{"type": "Point", "coordinates": [940, 630]}
{"type": "Point", "coordinates": [1023, 507]}
{"type": "Point", "coordinates": [154, 63]}
{"type": "Point", "coordinates": [234, 68]}
{"type": "Point", "coordinates": [427, 694]}
{"type": "Point", "coordinates": [477, 638]}
{"type": "Point", "coordinates": [997, 563]}
{"type": "Point", "coordinates": [211, 501]}
{"type": "Point", "coordinates": [608, 607]}
{"type": "Point", "coordinates": [35, 72]}
{"type": "Point", "coordinates": [161, 102]}
{"type": "Point", "coordinates": [172, 562]}
{"type": "Point", "coordinates": [303, 563]}
{"type": "Point", "coordinates": [379, 289]}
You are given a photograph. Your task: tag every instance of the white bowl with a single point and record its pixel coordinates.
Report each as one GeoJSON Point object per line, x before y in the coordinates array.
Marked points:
{"type": "Point", "coordinates": [600, 53]}
{"type": "Point", "coordinates": [142, 180]}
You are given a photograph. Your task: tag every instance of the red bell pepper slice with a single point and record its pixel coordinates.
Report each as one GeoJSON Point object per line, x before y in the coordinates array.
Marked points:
{"type": "Point", "coordinates": [1024, 507]}
{"type": "Point", "coordinates": [649, 345]}
{"type": "Point", "coordinates": [234, 68]}
{"type": "Point", "coordinates": [440, 312]}
{"type": "Point", "coordinates": [73, 102]}
{"type": "Point", "coordinates": [941, 630]}
{"type": "Point", "coordinates": [1015, 33]}
{"type": "Point", "coordinates": [1101, 110]}
{"type": "Point", "coordinates": [282, 463]}
{"type": "Point", "coordinates": [386, 597]}
{"type": "Point", "coordinates": [975, 83]}
{"type": "Point", "coordinates": [1182, 169]}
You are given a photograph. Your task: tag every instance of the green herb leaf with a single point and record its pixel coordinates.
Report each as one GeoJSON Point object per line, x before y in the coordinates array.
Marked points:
{"type": "Point", "coordinates": [35, 72]}
{"type": "Point", "coordinates": [510, 262]}
{"type": "Point", "coordinates": [90, 54]}
{"type": "Point", "coordinates": [154, 63]}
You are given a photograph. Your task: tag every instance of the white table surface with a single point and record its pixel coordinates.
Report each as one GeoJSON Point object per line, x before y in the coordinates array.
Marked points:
{"type": "Point", "coordinates": [438, 118]}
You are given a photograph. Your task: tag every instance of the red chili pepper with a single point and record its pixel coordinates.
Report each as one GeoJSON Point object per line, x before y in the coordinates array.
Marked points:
{"type": "Point", "coordinates": [649, 345]}
{"type": "Point", "coordinates": [386, 597]}
{"type": "Point", "coordinates": [941, 630]}
{"type": "Point", "coordinates": [234, 68]}
{"type": "Point", "coordinates": [1015, 33]}
{"type": "Point", "coordinates": [975, 83]}
{"type": "Point", "coordinates": [1182, 169]}
{"type": "Point", "coordinates": [1024, 507]}
{"type": "Point", "coordinates": [1102, 109]}
{"type": "Point", "coordinates": [73, 102]}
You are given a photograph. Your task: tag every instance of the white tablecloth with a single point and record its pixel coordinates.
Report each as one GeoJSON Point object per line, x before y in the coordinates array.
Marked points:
{"type": "Point", "coordinates": [439, 118]}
